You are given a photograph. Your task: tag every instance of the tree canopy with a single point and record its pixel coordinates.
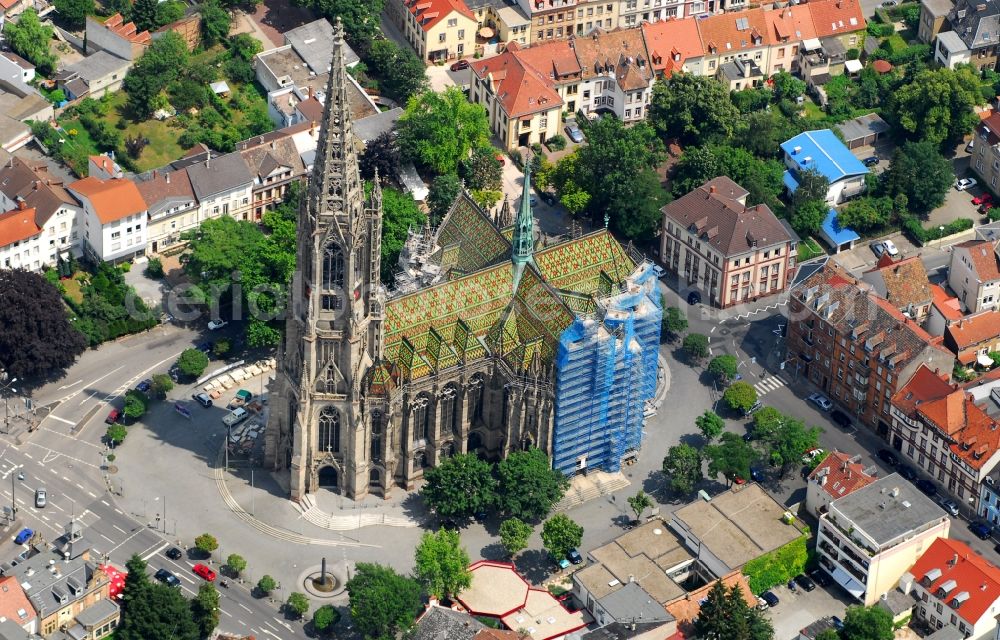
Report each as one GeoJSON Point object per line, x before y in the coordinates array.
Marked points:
{"type": "Point", "coordinates": [740, 396]}
{"type": "Point", "coordinates": [710, 425]}
{"type": "Point", "coordinates": [399, 213]}
{"type": "Point", "coordinates": [725, 615]}
{"type": "Point", "coordinates": [381, 155]}
{"type": "Point", "coordinates": [401, 73]}
{"type": "Point", "coordinates": [529, 486]}
{"type": "Point", "coordinates": [444, 189]}
{"type": "Point", "coordinates": [461, 486]}
{"type": "Point", "coordinates": [732, 457]}
{"type": "Point", "coordinates": [38, 339]}
{"type": "Point", "coordinates": [153, 611]}
{"type": "Point", "coordinates": [921, 173]}
{"type": "Point", "coordinates": [762, 178]}
{"type": "Point", "coordinates": [30, 39]}
{"type": "Point", "coordinates": [360, 18]}
{"type": "Point", "coordinates": [682, 466]}
{"type": "Point", "coordinates": [153, 71]}
{"type": "Point", "coordinates": [723, 367]}
{"type": "Point", "coordinates": [692, 108]}
{"type": "Point", "coordinates": [442, 564]}
{"type": "Point", "coordinates": [937, 104]}
{"type": "Point", "coordinates": [74, 12]}
{"type": "Point", "coordinates": [514, 534]}
{"type": "Point", "coordinates": [216, 22]}
{"type": "Point", "coordinates": [382, 602]}
{"type": "Point", "coordinates": [482, 170]}
{"type": "Point", "coordinates": [438, 129]}
{"type": "Point", "coordinates": [696, 346]}
{"type": "Point", "coordinates": [867, 623]}
{"type": "Point", "coordinates": [205, 608]}
{"type": "Point", "coordinates": [560, 534]}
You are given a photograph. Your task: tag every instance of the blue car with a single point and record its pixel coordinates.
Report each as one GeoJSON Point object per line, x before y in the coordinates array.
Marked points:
{"type": "Point", "coordinates": [144, 386]}
{"type": "Point", "coordinates": [981, 530]}
{"type": "Point", "coordinates": [24, 536]}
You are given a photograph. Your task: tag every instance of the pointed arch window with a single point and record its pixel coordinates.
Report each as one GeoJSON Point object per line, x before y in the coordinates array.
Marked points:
{"type": "Point", "coordinates": [449, 408]}
{"type": "Point", "coordinates": [421, 422]}
{"type": "Point", "coordinates": [329, 430]}
{"type": "Point", "coordinates": [333, 276]}
{"type": "Point", "coordinates": [378, 426]}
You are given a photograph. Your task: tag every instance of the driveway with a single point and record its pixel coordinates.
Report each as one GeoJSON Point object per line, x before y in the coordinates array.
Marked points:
{"type": "Point", "coordinates": [442, 77]}
{"type": "Point", "coordinates": [798, 610]}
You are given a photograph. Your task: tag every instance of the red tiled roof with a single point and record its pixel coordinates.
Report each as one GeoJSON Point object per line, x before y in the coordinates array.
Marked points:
{"type": "Point", "coordinates": [924, 386]}
{"type": "Point", "coordinates": [983, 257]}
{"type": "Point", "coordinates": [687, 607]}
{"type": "Point", "coordinates": [671, 42]}
{"type": "Point", "coordinates": [836, 17]}
{"type": "Point", "coordinates": [14, 603]}
{"type": "Point", "coordinates": [974, 330]}
{"type": "Point", "coordinates": [947, 305]}
{"type": "Point", "coordinates": [17, 225]}
{"type": "Point", "coordinates": [431, 12]}
{"type": "Point", "coordinates": [554, 59]}
{"type": "Point", "coordinates": [974, 576]}
{"type": "Point", "coordinates": [621, 50]}
{"type": "Point", "coordinates": [791, 24]}
{"type": "Point", "coordinates": [520, 88]}
{"type": "Point", "coordinates": [111, 199]}
{"type": "Point", "coordinates": [843, 477]}
{"type": "Point", "coordinates": [127, 30]}
{"type": "Point", "coordinates": [905, 281]}
{"type": "Point", "coordinates": [723, 34]}
{"type": "Point", "coordinates": [104, 163]}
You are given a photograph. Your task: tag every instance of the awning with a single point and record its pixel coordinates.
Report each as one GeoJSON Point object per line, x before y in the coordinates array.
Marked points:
{"type": "Point", "coordinates": [845, 580]}
{"type": "Point", "coordinates": [853, 66]}
{"type": "Point", "coordinates": [486, 32]}
{"type": "Point", "coordinates": [984, 360]}
{"type": "Point", "coordinates": [811, 44]}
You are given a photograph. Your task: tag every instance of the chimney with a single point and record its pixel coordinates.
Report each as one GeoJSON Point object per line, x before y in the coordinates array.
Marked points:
{"type": "Point", "coordinates": [21, 205]}
{"type": "Point", "coordinates": [208, 161]}
{"type": "Point", "coordinates": [711, 189]}
{"type": "Point", "coordinates": [310, 92]}
{"type": "Point", "coordinates": [167, 176]}
{"type": "Point", "coordinates": [154, 174]}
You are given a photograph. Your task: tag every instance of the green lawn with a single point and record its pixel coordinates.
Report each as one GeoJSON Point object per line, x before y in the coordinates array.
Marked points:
{"type": "Point", "coordinates": [79, 142]}
{"type": "Point", "coordinates": [73, 290]}
{"type": "Point", "coordinates": [813, 110]}
{"type": "Point", "coordinates": [809, 249]}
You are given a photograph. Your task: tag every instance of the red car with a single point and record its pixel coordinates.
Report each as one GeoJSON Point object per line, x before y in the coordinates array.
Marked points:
{"type": "Point", "coordinates": [985, 200]}
{"type": "Point", "coordinates": [204, 572]}
{"type": "Point", "coordinates": [114, 416]}
{"type": "Point", "coordinates": [461, 64]}
{"type": "Point", "coordinates": [500, 159]}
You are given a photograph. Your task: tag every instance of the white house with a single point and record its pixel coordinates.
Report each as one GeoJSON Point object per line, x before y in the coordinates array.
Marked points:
{"type": "Point", "coordinates": [823, 152]}
{"type": "Point", "coordinates": [114, 218]}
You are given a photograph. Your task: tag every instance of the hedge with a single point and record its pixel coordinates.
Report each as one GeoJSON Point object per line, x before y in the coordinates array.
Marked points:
{"type": "Point", "coordinates": [778, 566]}
{"type": "Point", "coordinates": [911, 225]}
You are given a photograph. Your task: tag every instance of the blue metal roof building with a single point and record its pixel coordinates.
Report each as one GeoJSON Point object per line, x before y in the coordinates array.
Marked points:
{"type": "Point", "coordinates": [838, 237]}
{"type": "Point", "coordinates": [823, 151]}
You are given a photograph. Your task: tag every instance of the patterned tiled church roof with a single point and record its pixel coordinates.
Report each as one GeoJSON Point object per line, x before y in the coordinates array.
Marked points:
{"type": "Point", "coordinates": [469, 241]}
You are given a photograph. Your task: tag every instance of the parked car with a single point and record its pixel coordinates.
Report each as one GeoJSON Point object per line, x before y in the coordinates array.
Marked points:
{"type": "Point", "coordinates": [574, 133]}
{"type": "Point", "coordinates": [985, 198]}
{"type": "Point", "coordinates": [820, 577]}
{"type": "Point", "coordinates": [878, 248]}
{"type": "Point", "coordinates": [144, 386]}
{"type": "Point", "coordinates": [887, 457]}
{"type": "Point", "coordinates": [907, 473]}
{"type": "Point", "coordinates": [203, 399]}
{"type": "Point", "coordinates": [694, 298]}
{"type": "Point", "coordinates": [949, 505]}
{"type": "Point", "coordinates": [40, 498]}
{"type": "Point", "coordinates": [927, 487]}
{"type": "Point", "coordinates": [205, 347]}
{"type": "Point", "coordinates": [838, 624]}
{"type": "Point", "coordinates": [216, 324]}
{"type": "Point", "coordinates": [167, 578]}
{"type": "Point", "coordinates": [890, 248]}
{"type": "Point", "coordinates": [738, 480]}
{"type": "Point", "coordinates": [964, 183]}
{"type": "Point", "coordinates": [812, 454]}
{"type": "Point", "coordinates": [888, 4]}
{"type": "Point", "coordinates": [461, 64]}
{"type": "Point", "coordinates": [820, 401]}
{"type": "Point", "coordinates": [803, 581]}
{"type": "Point", "coordinates": [204, 572]}
{"type": "Point", "coordinates": [981, 530]}
{"type": "Point", "coordinates": [870, 161]}
{"type": "Point", "coordinates": [115, 415]}
{"type": "Point", "coordinates": [753, 409]}
{"type": "Point", "coordinates": [574, 556]}
{"type": "Point", "coordinates": [757, 474]}
{"type": "Point", "coordinates": [841, 419]}
{"type": "Point", "coordinates": [174, 553]}
{"type": "Point", "coordinates": [23, 536]}
{"type": "Point", "coordinates": [175, 373]}
{"type": "Point", "coordinates": [770, 599]}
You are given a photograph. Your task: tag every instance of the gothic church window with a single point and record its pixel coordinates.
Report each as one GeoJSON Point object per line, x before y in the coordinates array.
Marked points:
{"type": "Point", "coordinates": [329, 430]}
{"type": "Point", "coordinates": [333, 276]}
{"type": "Point", "coordinates": [377, 430]}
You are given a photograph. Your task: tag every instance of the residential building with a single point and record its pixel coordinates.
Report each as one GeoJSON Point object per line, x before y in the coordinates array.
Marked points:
{"type": "Point", "coordinates": [734, 527]}
{"type": "Point", "coordinates": [855, 346]}
{"type": "Point", "coordinates": [559, 63]}
{"type": "Point", "coordinates": [985, 159]}
{"type": "Point", "coordinates": [976, 23]}
{"type": "Point", "coordinates": [94, 76]}
{"type": "Point", "coordinates": [950, 50]}
{"type": "Point", "coordinates": [945, 310]}
{"type": "Point", "coordinates": [15, 606]}
{"type": "Point", "coordinates": [974, 275]}
{"type": "Point", "coordinates": [114, 218]}
{"type": "Point", "coordinates": [933, 14]}
{"type": "Point", "coordinates": [940, 429]}
{"type": "Point", "coordinates": [788, 27]}
{"type": "Point", "coordinates": [522, 106]}
{"type": "Point", "coordinates": [838, 475]}
{"type": "Point", "coordinates": [841, 19]}
{"type": "Point", "coordinates": [903, 283]}
{"type": "Point", "coordinates": [274, 165]}
{"type": "Point", "coordinates": [822, 151]}
{"type": "Point", "coordinates": [554, 19]}
{"type": "Point", "coordinates": [867, 540]}
{"type": "Point", "coordinates": [632, 13]}
{"type": "Point", "coordinates": [42, 223]}
{"type": "Point", "coordinates": [15, 69]}
{"type": "Point", "coordinates": [674, 45]}
{"type": "Point", "coordinates": [509, 22]}
{"type": "Point", "coordinates": [171, 206]}
{"type": "Point", "coordinates": [726, 37]}
{"type": "Point", "coordinates": [436, 29]}
{"type": "Point", "coordinates": [973, 337]}
{"type": "Point", "coordinates": [741, 74]}
{"type": "Point", "coordinates": [616, 75]}
{"type": "Point", "coordinates": [957, 588]}
{"type": "Point", "coordinates": [718, 245]}
{"type": "Point", "coordinates": [223, 186]}
{"type": "Point", "coordinates": [104, 167]}
{"type": "Point", "coordinates": [22, 102]}
{"type": "Point", "coordinates": [117, 37]}
{"type": "Point", "coordinates": [819, 60]}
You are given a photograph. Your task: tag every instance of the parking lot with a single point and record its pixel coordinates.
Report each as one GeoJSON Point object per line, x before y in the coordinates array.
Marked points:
{"type": "Point", "coordinates": [798, 609]}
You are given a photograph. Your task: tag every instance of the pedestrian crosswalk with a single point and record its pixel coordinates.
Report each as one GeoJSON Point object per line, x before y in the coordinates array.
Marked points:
{"type": "Point", "coordinates": [768, 384]}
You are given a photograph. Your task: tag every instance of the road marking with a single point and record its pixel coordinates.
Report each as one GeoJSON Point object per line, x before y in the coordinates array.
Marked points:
{"type": "Point", "coordinates": [104, 502]}
{"type": "Point", "coordinates": [45, 518]}
{"type": "Point", "coordinates": [28, 456]}
{"type": "Point", "coordinates": [110, 540]}
{"type": "Point", "coordinates": [226, 612]}
{"type": "Point", "coordinates": [713, 330]}
{"type": "Point", "coordinates": [67, 479]}
{"type": "Point", "coordinates": [771, 383]}
{"type": "Point", "coordinates": [71, 384]}
{"type": "Point", "coordinates": [156, 551]}
{"type": "Point", "coordinates": [249, 610]}
{"type": "Point", "coordinates": [53, 470]}
{"type": "Point", "coordinates": [93, 495]}
{"type": "Point", "coordinates": [63, 420]}
{"type": "Point", "coordinates": [270, 633]}
{"type": "Point", "coordinates": [120, 529]}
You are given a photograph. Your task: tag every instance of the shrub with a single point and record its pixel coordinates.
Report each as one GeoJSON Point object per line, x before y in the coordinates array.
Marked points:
{"type": "Point", "coordinates": [266, 584]}
{"type": "Point", "coordinates": [154, 268]}
{"type": "Point", "coordinates": [556, 142]}
{"type": "Point", "coordinates": [778, 566]}
{"type": "Point", "coordinates": [911, 225]}
{"type": "Point", "coordinates": [116, 434]}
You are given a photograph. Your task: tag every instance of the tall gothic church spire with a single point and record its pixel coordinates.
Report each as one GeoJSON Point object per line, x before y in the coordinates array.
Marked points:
{"type": "Point", "coordinates": [523, 241]}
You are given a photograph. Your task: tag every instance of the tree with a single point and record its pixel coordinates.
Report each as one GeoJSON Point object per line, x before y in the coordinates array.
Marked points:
{"type": "Point", "coordinates": [400, 213]}
{"type": "Point", "coordinates": [560, 534]}
{"type": "Point", "coordinates": [762, 178]}
{"type": "Point", "coordinates": [297, 603]}
{"type": "Point", "coordinates": [482, 170]}
{"type": "Point", "coordinates": [808, 217]}
{"type": "Point", "coordinates": [325, 618]}
{"type": "Point", "coordinates": [710, 425]}
{"type": "Point", "coordinates": [244, 46]}
{"type": "Point", "coordinates": [461, 486]}
{"type": "Point", "coordinates": [266, 584]}
{"type": "Point", "coordinates": [438, 130]}
{"type": "Point", "coordinates": [75, 12]}
{"type": "Point", "coordinates": [637, 216]}
{"type": "Point", "coordinates": [116, 434]}
{"type": "Point", "coordinates": [692, 108]}
{"type": "Point", "coordinates": [674, 323]}
{"type": "Point", "coordinates": [921, 173]}
{"type": "Point", "coordinates": [169, 11]}
{"type": "Point", "coordinates": [360, 18]}
{"type": "Point", "coordinates": [813, 187]}
{"type": "Point", "coordinates": [30, 39]}
{"type": "Point", "coordinates": [740, 396]}
{"type": "Point", "coordinates": [206, 543]}
{"type": "Point", "coordinates": [640, 502]}
{"type": "Point", "coordinates": [732, 457]}
{"type": "Point", "coordinates": [236, 563]}
{"type": "Point", "coordinates": [441, 564]}
{"type": "Point", "coordinates": [788, 441]}
{"type": "Point", "coordinates": [867, 623]}
{"type": "Point", "coordinates": [401, 73]}
{"type": "Point", "coordinates": [153, 611]}
{"type": "Point", "coordinates": [205, 608]}
{"type": "Point", "coordinates": [682, 466]}
{"type": "Point", "coordinates": [38, 339]}
{"type": "Point", "coordinates": [381, 155]}
{"type": "Point", "coordinates": [143, 14]}
{"type": "Point", "coordinates": [160, 65]}
{"type": "Point", "coordinates": [215, 23]}
{"type": "Point", "coordinates": [725, 615]}
{"type": "Point", "coordinates": [135, 404]}
{"type": "Point", "coordinates": [382, 602]}
{"type": "Point", "coordinates": [529, 486]}
{"type": "Point", "coordinates": [444, 189]}
{"type": "Point", "coordinates": [696, 346]}
{"type": "Point", "coordinates": [192, 362]}
{"type": "Point", "coordinates": [936, 105]}
{"type": "Point", "coordinates": [863, 215]}
{"type": "Point", "coordinates": [723, 367]}
{"type": "Point", "coordinates": [514, 534]}
{"type": "Point", "coordinates": [786, 86]}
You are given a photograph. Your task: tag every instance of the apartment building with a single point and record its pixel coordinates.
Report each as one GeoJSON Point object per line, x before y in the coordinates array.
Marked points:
{"type": "Point", "coordinates": [719, 246]}
{"type": "Point", "coordinates": [632, 13]}
{"type": "Point", "coordinates": [933, 14]}
{"type": "Point", "coordinates": [855, 346]}
{"type": "Point", "coordinates": [976, 23]}
{"type": "Point", "coordinates": [436, 29]}
{"type": "Point", "coordinates": [903, 283]}
{"type": "Point", "coordinates": [171, 205]}
{"type": "Point", "coordinates": [730, 36]}
{"type": "Point", "coordinates": [617, 76]}
{"type": "Point", "coordinates": [40, 223]}
{"type": "Point", "coordinates": [974, 337]}
{"type": "Point", "coordinates": [274, 164]}
{"type": "Point", "coordinates": [867, 540]}
{"type": "Point", "coordinates": [674, 45]}
{"type": "Point", "coordinates": [554, 19]}
{"type": "Point", "coordinates": [559, 63]}
{"type": "Point", "coordinates": [839, 475]}
{"type": "Point", "coordinates": [788, 28]}
{"type": "Point", "coordinates": [223, 186]}
{"type": "Point", "coordinates": [114, 218]}
{"type": "Point", "coordinates": [957, 588]}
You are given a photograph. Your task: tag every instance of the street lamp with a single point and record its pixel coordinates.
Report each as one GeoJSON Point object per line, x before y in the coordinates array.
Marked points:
{"type": "Point", "coordinates": [13, 487]}
{"type": "Point", "coordinates": [6, 386]}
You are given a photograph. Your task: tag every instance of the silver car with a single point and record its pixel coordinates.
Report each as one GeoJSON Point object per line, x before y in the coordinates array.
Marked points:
{"type": "Point", "coordinates": [40, 498]}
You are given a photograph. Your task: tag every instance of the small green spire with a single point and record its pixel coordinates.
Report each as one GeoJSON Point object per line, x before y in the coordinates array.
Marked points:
{"type": "Point", "coordinates": [523, 240]}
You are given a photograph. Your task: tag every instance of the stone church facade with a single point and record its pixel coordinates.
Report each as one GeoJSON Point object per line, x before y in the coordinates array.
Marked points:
{"type": "Point", "coordinates": [373, 387]}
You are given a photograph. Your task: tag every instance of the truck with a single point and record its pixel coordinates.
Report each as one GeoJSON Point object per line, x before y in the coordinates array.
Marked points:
{"type": "Point", "coordinates": [234, 417]}
{"type": "Point", "coordinates": [241, 398]}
